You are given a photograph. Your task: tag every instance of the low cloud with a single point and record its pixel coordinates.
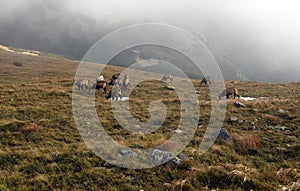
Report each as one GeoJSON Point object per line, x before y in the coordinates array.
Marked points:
{"type": "Point", "coordinates": [261, 38]}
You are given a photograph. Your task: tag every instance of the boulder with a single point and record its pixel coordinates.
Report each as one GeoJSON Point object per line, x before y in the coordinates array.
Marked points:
{"type": "Point", "coordinates": [224, 135]}
{"type": "Point", "coordinates": [160, 157]}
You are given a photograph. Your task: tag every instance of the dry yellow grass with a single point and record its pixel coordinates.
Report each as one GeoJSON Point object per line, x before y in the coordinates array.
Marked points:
{"type": "Point", "coordinates": [41, 148]}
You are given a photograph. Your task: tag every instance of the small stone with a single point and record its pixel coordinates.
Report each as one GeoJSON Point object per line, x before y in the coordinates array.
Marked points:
{"type": "Point", "coordinates": [170, 87]}
{"type": "Point", "coordinates": [239, 104]}
{"type": "Point", "coordinates": [281, 111]}
{"type": "Point", "coordinates": [184, 110]}
{"type": "Point", "coordinates": [178, 131]}
{"type": "Point", "coordinates": [281, 148]}
{"type": "Point", "coordinates": [233, 119]}
{"type": "Point", "coordinates": [253, 128]}
{"type": "Point", "coordinates": [282, 128]}
{"type": "Point", "coordinates": [127, 152]}
{"type": "Point", "coordinates": [19, 64]}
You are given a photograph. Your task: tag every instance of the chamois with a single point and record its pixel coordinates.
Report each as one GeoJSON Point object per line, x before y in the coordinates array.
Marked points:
{"type": "Point", "coordinates": [228, 92]}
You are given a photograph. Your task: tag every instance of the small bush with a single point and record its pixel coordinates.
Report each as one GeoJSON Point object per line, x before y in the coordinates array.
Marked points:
{"type": "Point", "coordinates": [248, 143]}
{"type": "Point", "coordinates": [31, 129]}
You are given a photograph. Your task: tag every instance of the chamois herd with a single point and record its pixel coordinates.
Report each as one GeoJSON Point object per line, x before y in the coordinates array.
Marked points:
{"type": "Point", "coordinates": [120, 85]}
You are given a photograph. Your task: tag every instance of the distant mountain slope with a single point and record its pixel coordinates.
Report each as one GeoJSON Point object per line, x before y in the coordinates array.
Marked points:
{"type": "Point", "coordinates": [160, 53]}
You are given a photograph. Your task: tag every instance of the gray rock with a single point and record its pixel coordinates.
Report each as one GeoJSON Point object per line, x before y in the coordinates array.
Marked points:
{"type": "Point", "coordinates": [233, 119]}
{"type": "Point", "coordinates": [253, 128]}
{"type": "Point", "coordinates": [281, 111]}
{"type": "Point", "coordinates": [223, 135]}
{"type": "Point", "coordinates": [239, 104]}
{"type": "Point", "coordinates": [170, 87]}
{"type": "Point", "coordinates": [281, 148]}
{"type": "Point", "coordinates": [19, 64]}
{"type": "Point", "coordinates": [184, 110]}
{"type": "Point", "coordinates": [159, 157]}
{"type": "Point", "coordinates": [282, 128]}
{"type": "Point", "coordinates": [127, 152]}
{"type": "Point", "coordinates": [178, 131]}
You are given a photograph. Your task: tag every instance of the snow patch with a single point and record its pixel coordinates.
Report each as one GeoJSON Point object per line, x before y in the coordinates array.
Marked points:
{"type": "Point", "coordinates": [247, 98]}
{"type": "Point", "coordinates": [28, 53]}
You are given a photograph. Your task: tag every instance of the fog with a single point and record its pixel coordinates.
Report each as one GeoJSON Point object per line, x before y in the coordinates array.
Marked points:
{"type": "Point", "coordinates": [260, 38]}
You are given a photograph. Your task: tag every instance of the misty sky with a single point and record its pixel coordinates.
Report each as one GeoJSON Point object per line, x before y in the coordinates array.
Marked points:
{"type": "Point", "coordinates": [261, 37]}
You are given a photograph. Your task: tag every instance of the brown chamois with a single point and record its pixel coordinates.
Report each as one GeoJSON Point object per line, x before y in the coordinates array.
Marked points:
{"type": "Point", "coordinates": [99, 85]}
{"type": "Point", "coordinates": [228, 92]}
{"type": "Point", "coordinates": [115, 79]}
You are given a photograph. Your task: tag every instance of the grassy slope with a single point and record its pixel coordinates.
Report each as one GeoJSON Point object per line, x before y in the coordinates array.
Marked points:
{"type": "Point", "coordinates": [41, 148]}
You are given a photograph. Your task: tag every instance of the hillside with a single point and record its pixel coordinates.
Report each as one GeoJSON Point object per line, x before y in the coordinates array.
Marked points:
{"type": "Point", "coordinates": [41, 148]}
{"type": "Point", "coordinates": [146, 52]}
